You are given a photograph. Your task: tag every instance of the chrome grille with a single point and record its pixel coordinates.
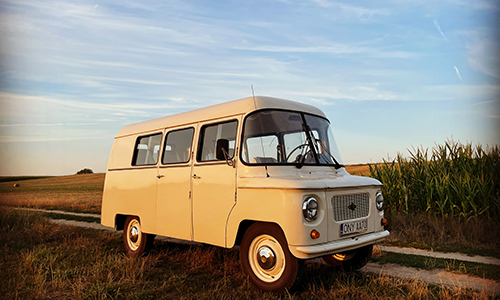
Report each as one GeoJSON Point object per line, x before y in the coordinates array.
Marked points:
{"type": "Point", "coordinates": [347, 207]}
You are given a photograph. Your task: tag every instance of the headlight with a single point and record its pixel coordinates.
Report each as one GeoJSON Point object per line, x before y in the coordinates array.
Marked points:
{"type": "Point", "coordinates": [380, 201]}
{"type": "Point", "coordinates": [310, 209]}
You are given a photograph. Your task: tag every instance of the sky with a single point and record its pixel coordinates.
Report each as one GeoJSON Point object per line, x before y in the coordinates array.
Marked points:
{"type": "Point", "coordinates": [390, 75]}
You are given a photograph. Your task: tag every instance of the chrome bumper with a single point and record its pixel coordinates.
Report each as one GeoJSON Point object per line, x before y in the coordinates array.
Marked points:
{"type": "Point", "coordinates": [308, 252]}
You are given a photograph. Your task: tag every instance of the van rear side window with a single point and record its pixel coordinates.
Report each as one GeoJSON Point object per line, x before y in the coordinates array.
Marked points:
{"type": "Point", "coordinates": [178, 146]}
{"type": "Point", "coordinates": [146, 150]}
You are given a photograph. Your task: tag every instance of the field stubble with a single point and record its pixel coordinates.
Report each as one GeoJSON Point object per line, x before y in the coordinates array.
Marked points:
{"type": "Point", "coordinates": [43, 261]}
{"type": "Point", "coordinates": [76, 193]}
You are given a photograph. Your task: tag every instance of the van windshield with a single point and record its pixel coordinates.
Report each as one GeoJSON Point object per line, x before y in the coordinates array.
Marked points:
{"type": "Point", "coordinates": [286, 137]}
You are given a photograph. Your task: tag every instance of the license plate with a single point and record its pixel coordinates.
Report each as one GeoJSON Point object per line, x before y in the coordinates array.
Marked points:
{"type": "Point", "coordinates": [353, 227]}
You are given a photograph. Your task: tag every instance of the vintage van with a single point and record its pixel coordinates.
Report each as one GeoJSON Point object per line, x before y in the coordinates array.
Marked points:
{"type": "Point", "coordinates": [260, 172]}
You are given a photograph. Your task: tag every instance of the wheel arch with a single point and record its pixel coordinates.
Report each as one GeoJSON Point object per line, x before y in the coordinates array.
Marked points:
{"type": "Point", "coordinates": [120, 220]}
{"type": "Point", "coordinates": [245, 224]}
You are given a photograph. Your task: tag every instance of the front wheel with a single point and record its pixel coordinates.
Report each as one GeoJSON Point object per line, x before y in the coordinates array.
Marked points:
{"type": "Point", "coordinates": [350, 260]}
{"type": "Point", "coordinates": [136, 242]}
{"type": "Point", "coordinates": [265, 258]}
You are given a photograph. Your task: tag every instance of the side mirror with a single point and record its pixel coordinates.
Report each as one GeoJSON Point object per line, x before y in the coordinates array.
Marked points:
{"type": "Point", "coordinates": [222, 148]}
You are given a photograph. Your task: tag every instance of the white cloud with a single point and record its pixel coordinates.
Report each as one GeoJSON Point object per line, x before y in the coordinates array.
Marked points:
{"type": "Point", "coordinates": [456, 93]}
{"type": "Point", "coordinates": [483, 57]}
{"type": "Point", "coordinates": [47, 125]}
{"type": "Point", "coordinates": [477, 4]}
{"type": "Point", "coordinates": [356, 10]}
{"type": "Point", "coordinates": [436, 23]}
{"type": "Point", "coordinates": [336, 49]}
{"type": "Point", "coordinates": [46, 138]}
{"type": "Point", "coordinates": [458, 73]}
{"type": "Point", "coordinates": [356, 93]}
{"type": "Point", "coordinates": [24, 109]}
{"type": "Point", "coordinates": [126, 80]}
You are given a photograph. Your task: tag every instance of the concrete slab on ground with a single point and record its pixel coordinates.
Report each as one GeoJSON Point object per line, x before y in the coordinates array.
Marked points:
{"type": "Point", "coordinates": [435, 276]}
{"type": "Point", "coordinates": [456, 256]}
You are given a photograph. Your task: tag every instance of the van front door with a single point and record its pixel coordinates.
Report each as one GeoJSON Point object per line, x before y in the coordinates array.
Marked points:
{"type": "Point", "coordinates": [173, 200]}
{"type": "Point", "coordinates": [214, 182]}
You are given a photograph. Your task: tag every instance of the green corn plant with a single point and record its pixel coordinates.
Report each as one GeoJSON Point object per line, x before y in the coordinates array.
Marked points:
{"type": "Point", "coordinates": [452, 179]}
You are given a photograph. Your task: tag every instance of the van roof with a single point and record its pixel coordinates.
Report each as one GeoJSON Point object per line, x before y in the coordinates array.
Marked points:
{"type": "Point", "coordinates": [226, 109]}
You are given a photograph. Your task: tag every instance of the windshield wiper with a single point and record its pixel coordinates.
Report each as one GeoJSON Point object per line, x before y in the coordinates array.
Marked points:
{"type": "Point", "coordinates": [311, 147]}
{"type": "Point", "coordinates": [323, 147]}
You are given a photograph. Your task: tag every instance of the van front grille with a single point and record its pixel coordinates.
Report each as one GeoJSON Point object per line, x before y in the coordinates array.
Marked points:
{"type": "Point", "coordinates": [348, 207]}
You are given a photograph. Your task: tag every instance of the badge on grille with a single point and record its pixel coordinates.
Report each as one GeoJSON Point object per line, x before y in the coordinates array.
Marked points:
{"type": "Point", "coordinates": [352, 206]}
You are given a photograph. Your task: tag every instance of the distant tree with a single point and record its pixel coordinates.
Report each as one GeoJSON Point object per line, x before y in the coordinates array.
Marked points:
{"type": "Point", "coordinates": [85, 171]}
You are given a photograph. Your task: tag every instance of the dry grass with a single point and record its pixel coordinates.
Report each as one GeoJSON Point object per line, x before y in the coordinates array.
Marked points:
{"type": "Point", "coordinates": [83, 193]}
{"type": "Point", "coordinates": [475, 236]}
{"type": "Point", "coordinates": [44, 261]}
{"type": "Point", "coordinates": [360, 170]}
{"type": "Point", "coordinates": [79, 193]}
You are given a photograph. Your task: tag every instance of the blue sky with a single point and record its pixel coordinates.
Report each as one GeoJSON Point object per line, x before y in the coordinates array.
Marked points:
{"type": "Point", "coordinates": [390, 75]}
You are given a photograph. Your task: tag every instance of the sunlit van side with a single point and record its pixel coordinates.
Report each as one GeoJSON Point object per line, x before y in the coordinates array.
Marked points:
{"type": "Point", "coordinates": [259, 172]}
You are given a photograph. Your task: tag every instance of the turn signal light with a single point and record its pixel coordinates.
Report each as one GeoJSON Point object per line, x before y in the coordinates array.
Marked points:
{"type": "Point", "coordinates": [384, 222]}
{"type": "Point", "coordinates": [315, 234]}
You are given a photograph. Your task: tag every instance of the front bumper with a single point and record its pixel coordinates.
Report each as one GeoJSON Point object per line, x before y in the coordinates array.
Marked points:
{"type": "Point", "coordinates": [308, 252]}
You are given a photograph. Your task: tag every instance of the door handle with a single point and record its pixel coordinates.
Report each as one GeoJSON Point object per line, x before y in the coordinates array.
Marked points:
{"type": "Point", "coordinates": [160, 176]}
{"type": "Point", "coordinates": [196, 177]}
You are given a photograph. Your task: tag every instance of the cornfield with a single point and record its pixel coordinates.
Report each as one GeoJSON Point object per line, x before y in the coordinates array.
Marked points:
{"type": "Point", "coordinates": [456, 180]}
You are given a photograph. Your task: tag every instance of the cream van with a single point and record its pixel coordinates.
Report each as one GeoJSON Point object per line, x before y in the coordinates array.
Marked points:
{"type": "Point", "coordinates": [261, 173]}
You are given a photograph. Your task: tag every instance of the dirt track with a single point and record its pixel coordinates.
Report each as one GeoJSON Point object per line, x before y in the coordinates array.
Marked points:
{"type": "Point", "coordinates": [435, 276]}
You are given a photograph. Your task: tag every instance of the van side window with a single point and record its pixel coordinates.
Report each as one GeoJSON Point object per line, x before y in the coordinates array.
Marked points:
{"type": "Point", "coordinates": [146, 150]}
{"type": "Point", "coordinates": [178, 146]}
{"type": "Point", "coordinates": [209, 136]}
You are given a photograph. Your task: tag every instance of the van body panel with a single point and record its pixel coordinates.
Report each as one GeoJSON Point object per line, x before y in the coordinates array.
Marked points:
{"type": "Point", "coordinates": [214, 196]}
{"type": "Point", "coordinates": [131, 192]}
{"type": "Point", "coordinates": [306, 182]}
{"type": "Point", "coordinates": [174, 196]}
{"type": "Point", "coordinates": [280, 206]}
{"type": "Point", "coordinates": [174, 203]}
{"type": "Point", "coordinates": [231, 108]}
{"type": "Point", "coordinates": [121, 153]}
{"type": "Point", "coordinates": [214, 190]}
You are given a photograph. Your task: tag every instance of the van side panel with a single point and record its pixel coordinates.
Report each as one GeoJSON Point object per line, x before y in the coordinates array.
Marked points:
{"type": "Point", "coordinates": [174, 202]}
{"type": "Point", "coordinates": [213, 198]}
{"type": "Point", "coordinates": [280, 206]}
{"type": "Point", "coordinates": [129, 191]}
{"type": "Point", "coordinates": [133, 192]}
{"type": "Point", "coordinates": [122, 152]}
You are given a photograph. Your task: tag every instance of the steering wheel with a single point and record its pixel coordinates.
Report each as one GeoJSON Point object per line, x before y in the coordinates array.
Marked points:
{"type": "Point", "coordinates": [295, 149]}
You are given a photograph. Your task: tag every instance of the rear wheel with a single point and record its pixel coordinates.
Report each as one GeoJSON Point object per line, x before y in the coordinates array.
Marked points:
{"type": "Point", "coordinates": [350, 260]}
{"type": "Point", "coordinates": [265, 258]}
{"type": "Point", "coordinates": [136, 242]}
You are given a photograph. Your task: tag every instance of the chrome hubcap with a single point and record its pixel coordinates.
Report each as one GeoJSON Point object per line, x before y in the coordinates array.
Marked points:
{"type": "Point", "coordinates": [134, 234]}
{"type": "Point", "coordinates": [266, 258]}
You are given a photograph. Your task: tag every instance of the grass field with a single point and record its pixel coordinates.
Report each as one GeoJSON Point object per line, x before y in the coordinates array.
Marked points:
{"type": "Point", "coordinates": [77, 193]}
{"type": "Point", "coordinates": [83, 193]}
{"type": "Point", "coordinates": [44, 261]}
{"type": "Point", "coordinates": [360, 170]}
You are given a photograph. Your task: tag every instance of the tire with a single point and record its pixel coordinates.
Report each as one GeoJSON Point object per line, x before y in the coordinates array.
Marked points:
{"type": "Point", "coordinates": [350, 260]}
{"type": "Point", "coordinates": [136, 242]}
{"type": "Point", "coordinates": [266, 260]}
